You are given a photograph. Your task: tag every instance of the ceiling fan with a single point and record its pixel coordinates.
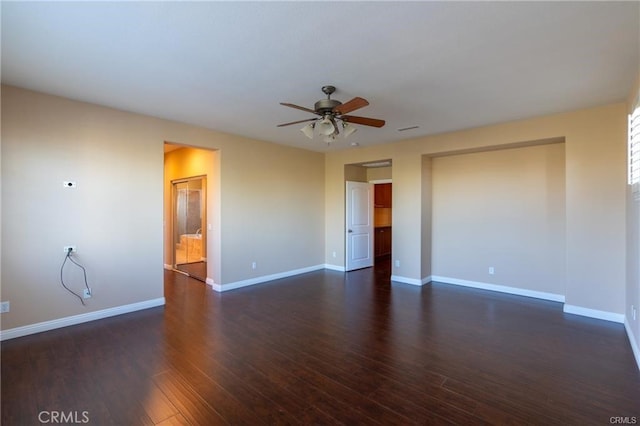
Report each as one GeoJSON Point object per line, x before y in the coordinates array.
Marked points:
{"type": "Point", "coordinates": [331, 112]}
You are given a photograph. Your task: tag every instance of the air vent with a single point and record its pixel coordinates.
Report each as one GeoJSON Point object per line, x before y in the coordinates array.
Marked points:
{"type": "Point", "coordinates": [385, 163]}
{"type": "Point", "coordinates": [403, 129]}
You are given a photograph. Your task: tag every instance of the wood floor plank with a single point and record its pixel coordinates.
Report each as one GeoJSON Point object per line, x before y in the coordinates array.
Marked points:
{"type": "Point", "coordinates": [338, 380]}
{"type": "Point", "coordinates": [327, 348]}
{"type": "Point", "coordinates": [195, 409]}
{"type": "Point", "coordinates": [204, 373]}
{"type": "Point", "coordinates": [156, 404]}
{"type": "Point", "coordinates": [274, 384]}
{"type": "Point", "coordinates": [177, 420]}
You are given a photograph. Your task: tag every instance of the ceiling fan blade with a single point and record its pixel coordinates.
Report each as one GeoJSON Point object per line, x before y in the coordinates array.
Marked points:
{"type": "Point", "coordinates": [299, 107]}
{"type": "Point", "coordinates": [296, 122]}
{"type": "Point", "coordinates": [352, 105]}
{"type": "Point", "coordinates": [374, 122]}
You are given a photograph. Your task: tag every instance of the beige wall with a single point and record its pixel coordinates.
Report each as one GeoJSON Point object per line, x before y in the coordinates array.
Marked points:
{"type": "Point", "coordinates": [271, 204]}
{"type": "Point", "coordinates": [595, 151]}
{"type": "Point", "coordinates": [378, 173]}
{"type": "Point", "coordinates": [503, 209]}
{"type": "Point", "coordinates": [427, 219]}
{"type": "Point", "coordinates": [272, 210]}
{"type": "Point", "coordinates": [1, 197]}
{"type": "Point", "coordinates": [190, 162]}
{"type": "Point", "coordinates": [355, 173]}
{"type": "Point", "coordinates": [113, 216]}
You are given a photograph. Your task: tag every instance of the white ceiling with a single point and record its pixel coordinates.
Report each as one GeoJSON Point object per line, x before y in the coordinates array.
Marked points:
{"type": "Point", "coordinates": [226, 65]}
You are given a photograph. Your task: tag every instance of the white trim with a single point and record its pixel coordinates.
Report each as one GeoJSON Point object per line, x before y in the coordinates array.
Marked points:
{"type": "Point", "coordinates": [375, 181]}
{"type": "Point", "coordinates": [593, 313]}
{"type": "Point", "coordinates": [405, 280]}
{"type": "Point", "coordinates": [635, 190]}
{"type": "Point", "coordinates": [334, 267]}
{"type": "Point", "coordinates": [264, 278]}
{"type": "Point", "coordinates": [427, 280]}
{"type": "Point", "coordinates": [500, 288]}
{"type": "Point", "coordinates": [180, 272]}
{"type": "Point", "coordinates": [632, 341]}
{"type": "Point", "coordinates": [169, 267]}
{"type": "Point", "coordinates": [26, 330]}
{"type": "Point", "coordinates": [214, 286]}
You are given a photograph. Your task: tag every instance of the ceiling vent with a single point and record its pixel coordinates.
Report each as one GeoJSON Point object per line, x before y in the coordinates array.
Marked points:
{"type": "Point", "coordinates": [385, 163]}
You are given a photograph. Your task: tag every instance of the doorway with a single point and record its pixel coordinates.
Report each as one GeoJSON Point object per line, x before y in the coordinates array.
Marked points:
{"type": "Point", "coordinates": [382, 221]}
{"type": "Point", "coordinates": [189, 220]}
{"type": "Point", "coordinates": [368, 207]}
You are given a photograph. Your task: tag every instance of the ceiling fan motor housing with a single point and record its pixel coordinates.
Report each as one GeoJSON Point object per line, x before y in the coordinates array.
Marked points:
{"type": "Point", "coordinates": [324, 106]}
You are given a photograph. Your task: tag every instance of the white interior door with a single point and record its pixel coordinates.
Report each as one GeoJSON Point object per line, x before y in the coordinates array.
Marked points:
{"type": "Point", "coordinates": [359, 225]}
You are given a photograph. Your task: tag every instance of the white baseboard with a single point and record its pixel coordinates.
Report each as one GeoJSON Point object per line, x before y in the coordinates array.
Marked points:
{"type": "Point", "coordinates": [214, 286]}
{"type": "Point", "coordinates": [169, 267]}
{"type": "Point", "coordinates": [427, 280]}
{"type": "Point", "coordinates": [26, 330]}
{"type": "Point", "coordinates": [264, 278]}
{"type": "Point", "coordinates": [593, 313]}
{"type": "Point", "coordinates": [500, 288]}
{"type": "Point", "coordinates": [334, 267]}
{"type": "Point", "coordinates": [632, 340]}
{"type": "Point", "coordinates": [405, 280]}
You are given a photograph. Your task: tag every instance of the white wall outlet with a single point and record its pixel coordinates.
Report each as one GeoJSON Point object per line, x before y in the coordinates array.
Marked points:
{"type": "Point", "coordinates": [397, 263]}
{"type": "Point", "coordinates": [74, 249]}
{"type": "Point", "coordinates": [491, 270]}
{"type": "Point", "coordinates": [334, 254]}
{"type": "Point", "coordinates": [254, 265]}
{"type": "Point", "coordinates": [69, 184]}
{"type": "Point", "coordinates": [5, 307]}
{"type": "Point", "coordinates": [633, 312]}
{"type": "Point", "coordinates": [86, 294]}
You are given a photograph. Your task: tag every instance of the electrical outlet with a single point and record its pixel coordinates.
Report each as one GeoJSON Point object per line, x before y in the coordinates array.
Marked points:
{"type": "Point", "coordinates": [633, 312]}
{"type": "Point", "coordinates": [397, 263]}
{"type": "Point", "coordinates": [254, 265]}
{"type": "Point", "coordinates": [491, 270]}
{"type": "Point", "coordinates": [5, 307]}
{"type": "Point", "coordinates": [86, 294]}
{"type": "Point", "coordinates": [334, 254]}
{"type": "Point", "coordinates": [73, 249]}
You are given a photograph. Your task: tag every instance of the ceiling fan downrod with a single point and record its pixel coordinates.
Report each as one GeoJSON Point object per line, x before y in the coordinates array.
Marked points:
{"type": "Point", "coordinates": [328, 90]}
{"type": "Point", "coordinates": [326, 106]}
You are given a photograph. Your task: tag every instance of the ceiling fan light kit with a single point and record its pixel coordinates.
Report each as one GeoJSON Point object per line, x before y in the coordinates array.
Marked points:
{"type": "Point", "coordinates": [348, 129]}
{"type": "Point", "coordinates": [331, 113]}
{"type": "Point", "coordinates": [308, 130]}
{"type": "Point", "coordinates": [326, 127]}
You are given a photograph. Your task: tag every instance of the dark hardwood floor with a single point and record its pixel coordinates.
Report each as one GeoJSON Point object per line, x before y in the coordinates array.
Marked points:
{"type": "Point", "coordinates": [197, 270]}
{"type": "Point", "coordinates": [327, 348]}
